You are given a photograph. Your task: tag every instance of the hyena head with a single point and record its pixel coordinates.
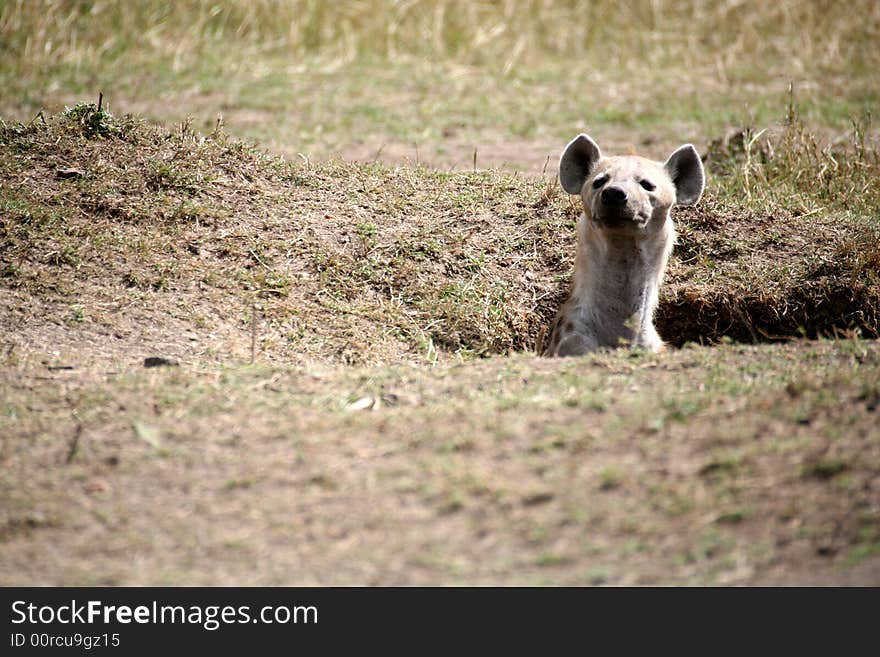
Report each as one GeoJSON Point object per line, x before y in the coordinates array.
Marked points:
{"type": "Point", "coordinates": [629, 194]}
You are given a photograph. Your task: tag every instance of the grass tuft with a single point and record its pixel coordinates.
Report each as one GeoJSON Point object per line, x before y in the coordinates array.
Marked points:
{"type": "Point", "coordinates": [93, 121]}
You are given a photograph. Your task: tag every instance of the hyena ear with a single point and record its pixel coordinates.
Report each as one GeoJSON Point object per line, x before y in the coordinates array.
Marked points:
{"type": "Point", "coordinates": [686, 170]}
{"type": "Point", "coordinates": [578, 159]}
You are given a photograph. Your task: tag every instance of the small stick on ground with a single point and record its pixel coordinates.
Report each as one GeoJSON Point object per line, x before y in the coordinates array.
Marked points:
{"type": "Point", "coordinates": [253, 330]}
{"type": "Point", "coordinates": [539, 340]}
{"type": "Point", "coordinates": [38, 115]}
{"type": "Point", "coordinates": [73, 445]}
{"type": "Point", "coordinates": [747, 322]}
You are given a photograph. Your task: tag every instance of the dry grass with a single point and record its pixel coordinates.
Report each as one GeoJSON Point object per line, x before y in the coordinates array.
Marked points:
{"type": "Point", "coordinates": [121, 241]}
{"type": "Point", "coordinates": [435, 81]}
{"type": "Point", "coordinates": [730, 465]}
{"type": "Point", "coordinates": [109, 222]}
{"type": "Point", "coordinates": [281, 450]}
{"type": "Point", "coordinates": [506, 34]}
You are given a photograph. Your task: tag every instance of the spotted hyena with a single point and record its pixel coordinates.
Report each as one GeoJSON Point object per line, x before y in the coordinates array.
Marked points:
{"type": "Point", "coordinates": [624, 237]}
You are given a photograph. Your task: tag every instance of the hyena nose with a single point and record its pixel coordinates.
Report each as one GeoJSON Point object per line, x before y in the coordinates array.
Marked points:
{"type": "Point", "coordinates": [613, 196]}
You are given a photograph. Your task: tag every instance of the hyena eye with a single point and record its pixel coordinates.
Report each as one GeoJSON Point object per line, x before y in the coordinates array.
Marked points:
{"type": "Point", "coordinates": [647, 184]}
{"type": "Point", "coordinates": [598, 182]}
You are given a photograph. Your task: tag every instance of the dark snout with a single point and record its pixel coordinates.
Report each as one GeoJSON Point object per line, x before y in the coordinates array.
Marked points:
{"type": "Point", "coordinates": [618, 211]}
{"type": "Point", "coordinates": [613, 196]}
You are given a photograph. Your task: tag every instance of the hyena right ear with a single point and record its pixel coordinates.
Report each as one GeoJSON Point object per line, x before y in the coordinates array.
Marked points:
{"type": "Point", "coordinates": [578, 159]}
{"type": "Point", "coordinates": [686, 170]}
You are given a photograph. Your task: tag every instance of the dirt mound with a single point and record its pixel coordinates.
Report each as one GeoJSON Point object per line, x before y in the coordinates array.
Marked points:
{"type": "Point", "coordinates": [119, 237]}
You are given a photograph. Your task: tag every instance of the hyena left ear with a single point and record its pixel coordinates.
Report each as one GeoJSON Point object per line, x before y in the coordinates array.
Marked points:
{"type": "Point", "coordinates": [686, 170]}
{"type": "Point", "coordinates": [576, 163]}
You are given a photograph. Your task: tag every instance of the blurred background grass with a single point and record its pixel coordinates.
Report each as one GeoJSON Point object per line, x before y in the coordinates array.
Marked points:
{"type": "Point", "coordinates": [798, 35]}
{"type": "Point", "coordinates": [380, 78]}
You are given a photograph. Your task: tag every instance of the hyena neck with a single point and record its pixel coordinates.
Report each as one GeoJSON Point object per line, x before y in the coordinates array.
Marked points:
{"type": "Point", "coordinates": [617, 281]}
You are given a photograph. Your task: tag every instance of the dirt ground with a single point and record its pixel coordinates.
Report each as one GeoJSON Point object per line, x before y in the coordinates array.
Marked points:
{"type": "Point", "coordinates": [347, 394]}
{"type": "Point", "coordinates": [611, 469]}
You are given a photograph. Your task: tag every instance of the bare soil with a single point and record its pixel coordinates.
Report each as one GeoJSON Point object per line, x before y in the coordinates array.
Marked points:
{"type": "Point", "coordinates": [730, 465]}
